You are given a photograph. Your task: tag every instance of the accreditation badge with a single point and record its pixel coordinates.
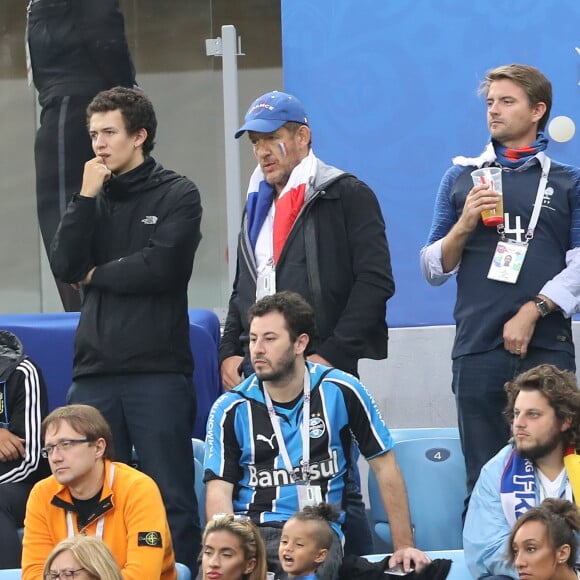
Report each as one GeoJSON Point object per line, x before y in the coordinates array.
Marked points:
{"type": "Point", "coordinates": [308, 495]}
{"type": "Point", "coordinates": [507, 261]}
{"type": "Point", "coordinates": [266, 282]}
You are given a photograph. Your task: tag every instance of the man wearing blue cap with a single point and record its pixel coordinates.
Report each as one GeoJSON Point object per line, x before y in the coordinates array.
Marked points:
{"type": "Point", "coordinates": [313, 229]}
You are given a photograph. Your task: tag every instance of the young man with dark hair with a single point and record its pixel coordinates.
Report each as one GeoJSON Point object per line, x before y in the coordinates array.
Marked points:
{"type": "Point", "coordinates": [129, 239]}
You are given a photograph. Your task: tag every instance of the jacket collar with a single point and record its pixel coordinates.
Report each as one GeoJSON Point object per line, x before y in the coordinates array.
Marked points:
{"type": "Point", "coordinates": [325, 176]}
{"type": "Point", "coordinates": [63, 498]}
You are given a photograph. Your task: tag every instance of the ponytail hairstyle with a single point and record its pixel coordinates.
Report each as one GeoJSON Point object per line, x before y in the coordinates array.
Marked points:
{"type": "Point", "coordinates": [562, 521]}
{"type": "Point", "coordinates": [249, 536]}
{"type": "Point", "coordinates": [321, 514]}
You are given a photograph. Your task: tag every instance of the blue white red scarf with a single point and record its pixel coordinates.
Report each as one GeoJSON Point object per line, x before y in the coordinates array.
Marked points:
{"type": "Point", "coordinates": [518, 487]}
{"type": "Point", "coordinates": [288, 204]}
{"type": "Point", "coordinates": [514, 158]}
{"type": "Point", "coordinates": [505, 156]}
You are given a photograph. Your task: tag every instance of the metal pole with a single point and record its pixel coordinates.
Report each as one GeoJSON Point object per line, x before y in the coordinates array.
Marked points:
{"type": "Point", "coordinates": [228, 47]}
{"type": "Point", "coordinates": [232, 147]}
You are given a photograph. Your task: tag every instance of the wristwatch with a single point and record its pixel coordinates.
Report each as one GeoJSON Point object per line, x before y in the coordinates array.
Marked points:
{"type": "Point", "coordinates": [542, 306]}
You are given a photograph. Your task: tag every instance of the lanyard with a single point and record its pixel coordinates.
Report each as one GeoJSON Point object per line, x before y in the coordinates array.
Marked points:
{"type": "Point", "coordinates": [71, 530]}
{"type": "Point", "coordinates": [100, 524]}
{"type": "Point", "coordinates": [546, 163]}
{"type": "Point", "coordinates": [26, 45]}
{"type": "Point", "coordinates": [305, 431]}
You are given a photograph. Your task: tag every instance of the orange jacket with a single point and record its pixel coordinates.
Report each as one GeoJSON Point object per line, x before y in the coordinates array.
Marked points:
{"type": "Point", "coordinates": [134, 524]}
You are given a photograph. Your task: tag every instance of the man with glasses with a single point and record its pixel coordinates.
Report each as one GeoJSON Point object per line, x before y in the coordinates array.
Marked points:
{"type": "Point", "coordinates": [88, 493]}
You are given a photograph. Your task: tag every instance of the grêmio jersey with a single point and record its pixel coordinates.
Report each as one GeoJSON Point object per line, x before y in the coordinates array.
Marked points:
{"type": "Point", "coordinates": [241, 447]}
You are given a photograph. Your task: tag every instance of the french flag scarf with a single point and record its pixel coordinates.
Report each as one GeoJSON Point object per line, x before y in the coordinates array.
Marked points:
{"type": "Point", "coordinates": [288, 204]}
{"type": "Point", "coordinates": [514, 158]}
{"type": "Point", "coordinates": [518, 487]}
{"type": "Point", "coordinates": [505, 156]}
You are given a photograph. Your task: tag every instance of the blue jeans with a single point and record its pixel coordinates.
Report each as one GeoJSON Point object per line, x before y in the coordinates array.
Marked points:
{"type": "Point", "coordinates": [155, 412]}
{"type": "Point", "coordinates": [13, 497]}
{"type": "Point", "coordinates": [478, 385]}
{"type": "Point", "coordinates": [358, 539]}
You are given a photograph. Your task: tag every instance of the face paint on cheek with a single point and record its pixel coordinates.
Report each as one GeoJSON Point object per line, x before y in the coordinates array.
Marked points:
{"type": "Point", "coordinates": [282, 148]}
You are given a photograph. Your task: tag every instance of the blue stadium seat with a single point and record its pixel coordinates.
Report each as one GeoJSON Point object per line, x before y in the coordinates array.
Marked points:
{"type": "Point", "coordinates": [200, 491]}
{"type": "Point", "coordinates": [14, 574]}
{"type": "Point", "coordinates": [198, 448]}
{"type": "Point", "coordinates": [406, 433]}
{"type": "Point", "coordinates": [434, 473]}
{"type": "Point", "coordinates": [458, 571]}
{"type": "Point", "coordinates": [183, 572]}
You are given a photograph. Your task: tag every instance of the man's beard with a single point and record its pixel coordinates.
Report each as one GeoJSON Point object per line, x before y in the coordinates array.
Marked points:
{"type": "Point", "coordinates": [541, 449]}
{"type": "Point", "coordinates": [285, 369]}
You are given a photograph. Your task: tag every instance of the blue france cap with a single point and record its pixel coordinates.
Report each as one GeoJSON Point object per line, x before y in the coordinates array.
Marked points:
{"type": "Point", "coordinates": [270, 111]}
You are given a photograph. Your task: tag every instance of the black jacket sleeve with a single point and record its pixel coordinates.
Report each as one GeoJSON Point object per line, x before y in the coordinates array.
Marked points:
{"type": "Point", "coordinates": [71, 250]}
{"type": "Point", "coordinates": [28, 404]}
{"type": "Point", "coordinates": [102, 30]}
{"type": "Point", "coordinates": [230, 344]}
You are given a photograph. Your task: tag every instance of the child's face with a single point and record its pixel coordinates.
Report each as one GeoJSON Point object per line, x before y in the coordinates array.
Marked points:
{"type": "Point", "coordinates": [299, 551]}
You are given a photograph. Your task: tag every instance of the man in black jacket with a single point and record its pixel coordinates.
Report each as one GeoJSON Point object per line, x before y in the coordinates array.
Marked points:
{"type": "Point", "coordinates": [23, 406]}
{"type": "Point", "coordinates": [129, 240]}
{"type": "Point", "coordinates": [316, 230]}
{"type": "Point", "coordinates": [77, 48]}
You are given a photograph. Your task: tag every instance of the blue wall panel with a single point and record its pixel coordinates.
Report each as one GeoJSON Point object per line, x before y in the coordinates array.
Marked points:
{"type": "Point", "coordinates": [391, 90]}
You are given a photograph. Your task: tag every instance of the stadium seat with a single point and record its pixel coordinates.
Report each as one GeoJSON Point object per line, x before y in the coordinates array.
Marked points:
{"type": "Point", "coordinates": [183, 572]}
{"type": "Point", "coordinates": [198, 448]}
{"type": "Point", "coordinates": [200, 491]}
{"type": "Point", "coordinates": [458, 571]}
{"type": "Point", "coordinates": [14, 574]}
{"type": "Point", "coordinates": [404, 434]}
{"type": "Point", "coordinates": [434, 473]}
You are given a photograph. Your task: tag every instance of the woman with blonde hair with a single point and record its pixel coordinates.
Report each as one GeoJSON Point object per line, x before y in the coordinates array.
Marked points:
{"type": "Point", "coordinates": [543, 543]}
{"type": "Point", "coordinates": [232, 549]}
{"type": "Point", "coordinates": [81, 558]}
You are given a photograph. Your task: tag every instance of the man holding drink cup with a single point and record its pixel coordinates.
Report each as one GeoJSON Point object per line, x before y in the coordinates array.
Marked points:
{"type": "Point", "coordinates": [511, 200]}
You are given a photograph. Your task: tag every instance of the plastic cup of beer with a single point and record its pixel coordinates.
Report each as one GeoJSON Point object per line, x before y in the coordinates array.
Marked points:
{"type": "Point", "coordinates": [492, 177]}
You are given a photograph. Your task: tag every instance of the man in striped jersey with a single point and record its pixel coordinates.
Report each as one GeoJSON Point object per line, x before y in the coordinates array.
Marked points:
{"type": "Point", "coordinates": [23, 406]}
{"type": "Point", "coordinates": [282, 439]}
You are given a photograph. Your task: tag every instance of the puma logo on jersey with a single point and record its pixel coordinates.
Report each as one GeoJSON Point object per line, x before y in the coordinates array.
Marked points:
{"type": "Point", "coordinates": [269, 441]}
{"type": "Point", "coordinates": [149, 220]}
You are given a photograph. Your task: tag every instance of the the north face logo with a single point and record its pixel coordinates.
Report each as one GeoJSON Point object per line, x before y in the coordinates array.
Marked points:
{"type": "Point", "coordinates": [150, 220]}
